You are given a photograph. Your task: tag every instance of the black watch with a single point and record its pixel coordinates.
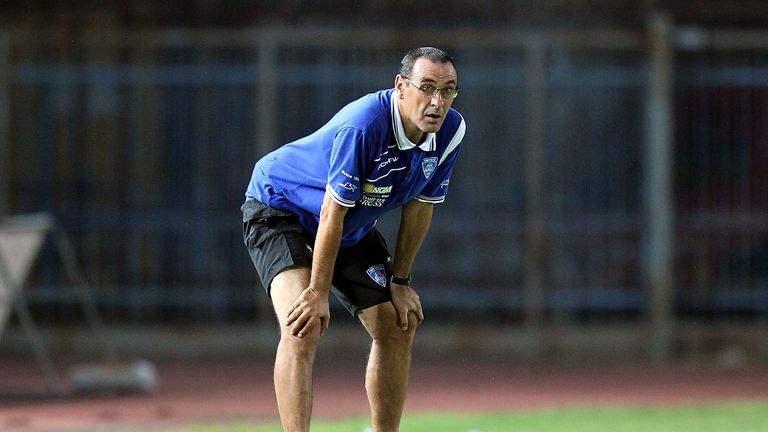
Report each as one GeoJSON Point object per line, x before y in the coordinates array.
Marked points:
{"type": "Point", "coordinates": [401, 281]}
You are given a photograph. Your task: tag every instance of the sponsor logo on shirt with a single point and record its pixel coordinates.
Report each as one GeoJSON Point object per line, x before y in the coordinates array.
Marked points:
{"type": "Point", "coordinates": [371, 188]}
{"type": "Point", "coordinates": [388, 161]}
{"type": "Point", "coordinates": [375, 196]}
{"type": "Point", "coordinates": [350, 176]}
{"type": "Point", "coordinates": [348, 186]}
{"type": "Point", "coordinates": [371, 201]}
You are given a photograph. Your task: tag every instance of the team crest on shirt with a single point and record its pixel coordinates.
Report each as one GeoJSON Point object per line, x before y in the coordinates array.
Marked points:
{"type": "Point", "coordinates": [428, 165]}
{"type": "Point", "coordinates": [377, 274]}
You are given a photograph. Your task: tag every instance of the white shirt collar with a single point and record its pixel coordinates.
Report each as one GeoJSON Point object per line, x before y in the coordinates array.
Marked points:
{"type": "Point", "coordinates": [403, 143]}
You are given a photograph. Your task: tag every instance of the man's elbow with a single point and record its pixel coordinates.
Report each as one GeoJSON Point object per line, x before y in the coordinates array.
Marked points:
{"type": "Point", "coordinates": [331, 209]}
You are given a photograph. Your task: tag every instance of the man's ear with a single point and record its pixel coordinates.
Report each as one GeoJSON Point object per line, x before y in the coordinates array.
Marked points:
{"type": "Point", "coordinates": [399, 85]}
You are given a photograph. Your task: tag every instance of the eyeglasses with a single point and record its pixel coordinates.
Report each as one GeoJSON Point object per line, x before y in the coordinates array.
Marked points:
{"type": "Point", "coordinates": [430, 91]}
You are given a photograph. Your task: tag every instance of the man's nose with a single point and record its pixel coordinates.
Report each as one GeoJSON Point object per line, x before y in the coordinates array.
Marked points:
{"type": "Point", "coordinates": [437, 99]}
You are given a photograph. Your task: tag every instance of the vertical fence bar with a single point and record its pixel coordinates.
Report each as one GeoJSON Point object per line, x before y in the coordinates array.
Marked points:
{"type": "Point", "coordinates": [535, 206]}
{"type": "Point", "coordinates": [266, 99]}
{"type": "Point", "coordinates": [5, 118]}
{"type": "Point", "coordinates": [658, 206]}
{"type": "Point", "coordinates": [266, 42]}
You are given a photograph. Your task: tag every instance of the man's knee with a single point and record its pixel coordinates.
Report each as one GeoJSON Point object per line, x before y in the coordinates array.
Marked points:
{"type": "Point", "coordinates": [392, 333]}
{"type": "Point", "coordinates": [300, 346]}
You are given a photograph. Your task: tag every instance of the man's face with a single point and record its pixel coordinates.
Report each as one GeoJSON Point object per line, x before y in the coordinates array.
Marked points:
{"type": "Point", "coordinates": [424, 111]}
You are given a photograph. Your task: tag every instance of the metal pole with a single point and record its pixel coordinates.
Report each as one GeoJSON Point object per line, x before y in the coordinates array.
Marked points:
{"type": "Point", "coordinates": [266, 111]}
{"type": "Point", "coordinates": [267, 100]}
{"type": "Point", "coordinates": [658, 205]}
{"type": "Point", "coordinates": [5, 114]}
{"type": "Point", "coordinates": [28, 326]}
{"type": "Point", "coordinates": [84, 292]}
{"type": "Point", "coordinates": [535, 206]}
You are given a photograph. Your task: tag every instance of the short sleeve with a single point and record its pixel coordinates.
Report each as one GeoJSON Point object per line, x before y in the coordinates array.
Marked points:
{"type": "Point", "coordinates": [436, 188]}
{"type": "Point", "coordinates": [347, 166]}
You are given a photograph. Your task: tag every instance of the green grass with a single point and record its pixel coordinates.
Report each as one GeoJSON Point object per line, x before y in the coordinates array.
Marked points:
{"type": "Point", "coordinates": [732, 417]}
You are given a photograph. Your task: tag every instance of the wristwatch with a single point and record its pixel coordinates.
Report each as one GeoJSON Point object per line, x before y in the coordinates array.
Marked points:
{"type": "Point", "coordinates": [401, 281]}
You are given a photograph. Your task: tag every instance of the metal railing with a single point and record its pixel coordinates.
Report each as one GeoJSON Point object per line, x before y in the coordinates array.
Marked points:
{"type": "Point", "coordinates": [562, 207]}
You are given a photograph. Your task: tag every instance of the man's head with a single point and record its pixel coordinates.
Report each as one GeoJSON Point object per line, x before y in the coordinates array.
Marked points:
{"type": "Point", "coordinates": [426, 86]}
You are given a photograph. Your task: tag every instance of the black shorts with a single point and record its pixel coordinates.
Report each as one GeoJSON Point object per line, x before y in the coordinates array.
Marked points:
{"type": "Point", "coordinates": [276, 241]}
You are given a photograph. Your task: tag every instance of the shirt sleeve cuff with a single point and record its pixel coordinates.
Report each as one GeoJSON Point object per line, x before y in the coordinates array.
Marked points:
{"type": "Point", "coordinates": [336, 197]}
{"type": "Point", "coordinates": [431, 200]}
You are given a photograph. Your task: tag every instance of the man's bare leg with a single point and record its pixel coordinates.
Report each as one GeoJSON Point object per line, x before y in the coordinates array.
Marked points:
{"type": "Point", "coordinates": [295, 356]}
{"type": "Point", "coordinates": [389, 365]}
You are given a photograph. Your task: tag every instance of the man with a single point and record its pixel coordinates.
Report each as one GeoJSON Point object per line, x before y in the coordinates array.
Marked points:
{"type": "Point", "coordinates": [309, 223]}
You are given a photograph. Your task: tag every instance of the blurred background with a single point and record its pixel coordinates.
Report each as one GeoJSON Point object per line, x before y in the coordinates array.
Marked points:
{"type": "Point", "coordinates": [610, 201]}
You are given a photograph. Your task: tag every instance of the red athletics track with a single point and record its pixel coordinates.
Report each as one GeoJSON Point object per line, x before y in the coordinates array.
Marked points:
{"type": "Point", "coordinates": [240, 389]}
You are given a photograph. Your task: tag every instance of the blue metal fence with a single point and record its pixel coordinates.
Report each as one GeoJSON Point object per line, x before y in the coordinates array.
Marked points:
{"type": "Point", "coordinates": [143, 149]}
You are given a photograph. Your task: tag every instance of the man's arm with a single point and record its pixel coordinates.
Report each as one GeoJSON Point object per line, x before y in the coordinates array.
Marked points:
{"type": "Point", "coordinates": [414, 224]}
{"type": "Point", "coordinates": [311, 308]}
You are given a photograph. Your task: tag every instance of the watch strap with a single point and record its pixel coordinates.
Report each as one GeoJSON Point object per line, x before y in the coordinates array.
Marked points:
{"type": "Point", "coordinates": [401, 281]}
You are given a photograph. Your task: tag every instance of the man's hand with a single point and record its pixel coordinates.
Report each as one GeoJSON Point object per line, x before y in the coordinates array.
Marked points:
{"type": "Point", "coordinates": [309, 310]}
{"type": "Point", "coordinates": [405, 300]}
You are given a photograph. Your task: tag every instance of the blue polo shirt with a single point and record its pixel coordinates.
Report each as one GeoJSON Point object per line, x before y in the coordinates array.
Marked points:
{"type": "Point", "coordinates": [363, 159]}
